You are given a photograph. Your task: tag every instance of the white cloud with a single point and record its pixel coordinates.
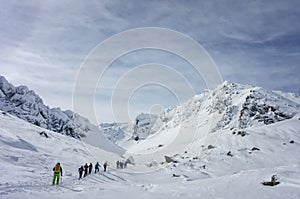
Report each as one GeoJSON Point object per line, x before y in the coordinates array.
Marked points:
{"type": "Point", "coordinates": [43, 43]}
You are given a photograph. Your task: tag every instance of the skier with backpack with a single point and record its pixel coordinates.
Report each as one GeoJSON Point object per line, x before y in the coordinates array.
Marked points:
{"type": "Point", "coordinates": [85, 170]}
{"type": "Point", "coordinates": [97, 165]}
{"type": "Point", "coordinates": [121, 165]}
{"type": "Point", "coordinates": [80, 171]}
{"type": "Point", "coordinates": [57, 173]}
{"type": "Point", "coordinates": [118, 164]}
{"type": "Point", "coordinates": [90, 168]}
{"type": "Point", "coordinates": [105, 166]}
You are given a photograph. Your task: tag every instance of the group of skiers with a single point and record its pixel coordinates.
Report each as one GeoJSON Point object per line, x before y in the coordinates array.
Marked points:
{"type": "Point", "coordinates": [121, 164]}
{"type": "Point", "coordinates": [83, 170]}
{"type": "Point", "coordinates": [87, 169]}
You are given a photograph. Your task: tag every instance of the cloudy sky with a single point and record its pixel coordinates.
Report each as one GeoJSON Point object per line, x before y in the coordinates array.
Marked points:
{"type": "Point", "coordinates": [45, 43]}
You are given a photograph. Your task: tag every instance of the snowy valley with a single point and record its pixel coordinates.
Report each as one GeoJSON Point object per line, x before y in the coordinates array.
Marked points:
{"type": "Point", "coordinates": [221, 143]}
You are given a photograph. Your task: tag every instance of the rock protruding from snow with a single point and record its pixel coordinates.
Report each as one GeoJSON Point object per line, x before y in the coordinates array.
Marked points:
{"type": "Point", "coordinates": [130, 160]}
{"type": "Point", "coordinates": [267, 108]}
{"type": "Point", "coordinates": [27, 105]}
{"type": "Point", "coordinates": [143, 125]}
{"type": "Point", "coordinates": [115, 131]}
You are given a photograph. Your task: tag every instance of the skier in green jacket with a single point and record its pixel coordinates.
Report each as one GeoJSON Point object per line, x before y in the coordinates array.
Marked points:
{"type": "Point", "coordinates": [57, 173]}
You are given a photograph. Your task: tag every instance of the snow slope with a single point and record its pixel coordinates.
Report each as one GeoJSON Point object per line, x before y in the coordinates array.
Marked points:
{"type": "Point", "coordinates": [28, 154]}
{"type": "Point", "coordinates": [27, 158]}
{"type": "Point", "coordinates": [222, 144]}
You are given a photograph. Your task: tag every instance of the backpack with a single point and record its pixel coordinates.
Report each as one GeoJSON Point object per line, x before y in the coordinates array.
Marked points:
{"type": "Point", "coordinates": [57, 168]}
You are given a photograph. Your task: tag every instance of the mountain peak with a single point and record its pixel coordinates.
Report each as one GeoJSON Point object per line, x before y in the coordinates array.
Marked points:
{"type": "Point", "coordinates": [229, 106]}
{"type": "Point", "coordinates": [27, 105]}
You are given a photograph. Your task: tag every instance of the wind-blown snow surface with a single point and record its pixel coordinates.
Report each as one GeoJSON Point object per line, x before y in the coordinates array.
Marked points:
{"type": "Point", "coordinates": [225, 118]}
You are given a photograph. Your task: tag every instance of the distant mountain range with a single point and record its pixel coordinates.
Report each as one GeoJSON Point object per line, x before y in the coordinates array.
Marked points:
{"type": "Point", "coordinates": [233, 106]}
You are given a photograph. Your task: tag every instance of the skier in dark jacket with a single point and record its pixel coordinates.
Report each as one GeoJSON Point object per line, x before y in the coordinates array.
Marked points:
{"type": "Point", "coordinates": [118, 164]}
{"type": "Point", "coordinates": [80, 171]}
{"type": "Point", "coordinates": [90, 168]}
{"type": "Point", "coordinates": [85, 170]}
{"type": "Point", "coordinates": [97, 165]}
{"type": "Point", "coordinates": [105, 166]}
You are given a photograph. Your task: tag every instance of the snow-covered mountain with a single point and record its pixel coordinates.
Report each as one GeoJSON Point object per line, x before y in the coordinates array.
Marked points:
{"type": "Point", "coordinates": [140, 129]}
{"type": "Point", "coordinates": [237, 106]}
{"type": "Point", "coordinates": [241, 136]}
{"type": "Point", "coordinates": [27, 105]}
{"type": "Point", "coordinates": [232, 106]}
